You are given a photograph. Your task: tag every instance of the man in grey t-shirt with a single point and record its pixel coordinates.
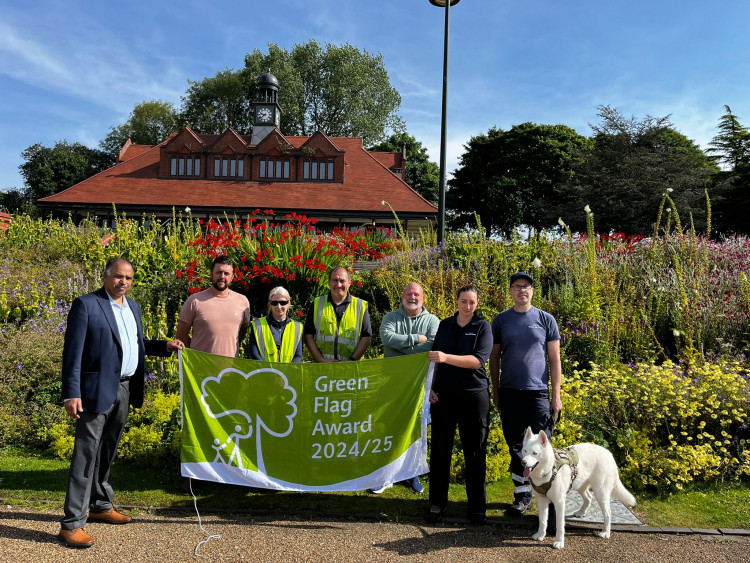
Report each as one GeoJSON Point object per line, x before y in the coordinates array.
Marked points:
{"type": "Point", "coordinates": [524, 339]}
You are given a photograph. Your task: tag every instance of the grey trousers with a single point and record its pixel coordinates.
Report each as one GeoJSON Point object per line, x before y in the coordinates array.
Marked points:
{"type": "Point", "coordinates": [97, 436]}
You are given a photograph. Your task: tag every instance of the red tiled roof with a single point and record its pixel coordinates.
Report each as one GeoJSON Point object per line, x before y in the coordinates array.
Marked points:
{"type": "Point", "coordinates": [135, 182]}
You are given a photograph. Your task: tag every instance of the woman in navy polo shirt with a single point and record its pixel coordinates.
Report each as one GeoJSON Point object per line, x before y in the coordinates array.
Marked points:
{"type": "Point", "coordinates": [460, 397]}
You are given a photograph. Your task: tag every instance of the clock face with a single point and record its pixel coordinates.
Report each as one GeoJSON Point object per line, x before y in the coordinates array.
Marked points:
{"type": "Point", "coordinates": [264, 114]}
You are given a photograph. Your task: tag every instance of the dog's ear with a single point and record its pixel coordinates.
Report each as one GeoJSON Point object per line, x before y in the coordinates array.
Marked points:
{"type": "Point", "coordinates": [543, 437]}
{"type": "Point", "coordinates": [529, 434]}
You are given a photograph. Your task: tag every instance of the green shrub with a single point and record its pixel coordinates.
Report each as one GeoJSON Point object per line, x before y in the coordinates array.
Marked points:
{"type": "Point", "coordinates": [668, 425]}
{"type": "Point", "coordinates": [29, 378]}
{"type": "Point", "coordinates": [60, 437]}
{"type": "Point", "coordinates": [151, 437]}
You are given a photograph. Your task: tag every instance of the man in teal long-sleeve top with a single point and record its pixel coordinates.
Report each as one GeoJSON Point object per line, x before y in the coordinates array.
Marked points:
{"type": "Point", "coordinates": [410, 329]}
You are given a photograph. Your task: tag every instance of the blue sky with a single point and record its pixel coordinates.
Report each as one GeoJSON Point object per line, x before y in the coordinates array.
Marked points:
{"type": "Point", "coordinates": [71, 70]}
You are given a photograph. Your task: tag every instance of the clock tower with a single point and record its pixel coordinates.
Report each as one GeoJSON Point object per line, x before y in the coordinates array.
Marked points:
{"type": "Point", "coordinates": [266, 110]}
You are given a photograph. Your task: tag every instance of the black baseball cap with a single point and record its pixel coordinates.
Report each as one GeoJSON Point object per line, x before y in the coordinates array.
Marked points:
{"type": "Point", "coordinates": [521, 275]}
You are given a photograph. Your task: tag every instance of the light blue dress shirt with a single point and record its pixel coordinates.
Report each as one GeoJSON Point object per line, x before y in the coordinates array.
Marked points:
{"type": "Point", "coordinates": [128, 336]}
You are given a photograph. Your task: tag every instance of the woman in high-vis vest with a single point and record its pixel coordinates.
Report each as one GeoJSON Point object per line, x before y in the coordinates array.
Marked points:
{"type": "Point", "coordinates": [276, 337]}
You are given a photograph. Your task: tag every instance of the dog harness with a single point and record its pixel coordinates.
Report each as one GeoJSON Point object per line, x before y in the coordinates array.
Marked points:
{"type": "Point", "coordinates": [563, 456]}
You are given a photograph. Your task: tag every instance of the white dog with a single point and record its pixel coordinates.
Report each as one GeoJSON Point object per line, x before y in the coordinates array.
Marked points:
{"type": "Point", "coordinates": [581, 467]}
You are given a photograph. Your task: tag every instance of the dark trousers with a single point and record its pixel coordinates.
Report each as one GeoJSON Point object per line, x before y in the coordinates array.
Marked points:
{"type": "Point", "coordinates": [520, 409]}
{"type": "Point", "coordinates": [97, 436]}
{"type": "Point", "coordinates": [471, 414]}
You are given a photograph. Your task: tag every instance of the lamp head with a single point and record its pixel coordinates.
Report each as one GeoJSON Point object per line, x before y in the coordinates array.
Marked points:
{"type": "Point", "coordinates": [441, 3]}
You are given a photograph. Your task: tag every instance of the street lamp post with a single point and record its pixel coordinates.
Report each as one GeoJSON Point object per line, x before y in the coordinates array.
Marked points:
{"type": "Point", "coordinates": [441, 196]}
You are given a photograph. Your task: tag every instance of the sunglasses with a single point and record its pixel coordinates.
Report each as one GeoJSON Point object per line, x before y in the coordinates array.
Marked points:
{"type": "Point", "coordinates": [275, 303]}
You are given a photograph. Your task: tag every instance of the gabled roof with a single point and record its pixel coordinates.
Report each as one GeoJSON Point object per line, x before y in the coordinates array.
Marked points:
{"type": "Point", "coordinates": [134, 183]}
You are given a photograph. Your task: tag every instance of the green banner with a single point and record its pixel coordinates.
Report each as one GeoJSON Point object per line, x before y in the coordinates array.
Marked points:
{"type": "Point", "coordinates": [344, 426]}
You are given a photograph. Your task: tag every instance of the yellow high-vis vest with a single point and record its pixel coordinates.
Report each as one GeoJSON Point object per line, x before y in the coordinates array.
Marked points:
{"type": "Point", "coordinates": [341, 338]}
{"type": "Point", "coordinates": [267, 346]}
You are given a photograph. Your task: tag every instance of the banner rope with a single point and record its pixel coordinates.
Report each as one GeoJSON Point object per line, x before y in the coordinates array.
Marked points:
{"type": "Point", "coordinates": [200, 523]}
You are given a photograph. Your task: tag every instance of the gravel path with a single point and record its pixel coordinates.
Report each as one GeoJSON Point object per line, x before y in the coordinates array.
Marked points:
{"type": "Point", "coordinates": [30, 536]}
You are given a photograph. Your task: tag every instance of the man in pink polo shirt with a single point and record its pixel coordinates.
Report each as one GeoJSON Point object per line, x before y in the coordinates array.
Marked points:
{"type": "Point", "coordinates": [219, 317]}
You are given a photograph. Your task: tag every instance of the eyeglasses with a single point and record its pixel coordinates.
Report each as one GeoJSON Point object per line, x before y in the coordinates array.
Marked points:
{"type": "Point", "coordinates": [277, 303]}
{"type": "Point", "coordinates": [521, 287]}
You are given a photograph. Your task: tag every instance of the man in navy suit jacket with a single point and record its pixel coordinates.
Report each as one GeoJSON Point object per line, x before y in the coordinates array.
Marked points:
{"type": "Point", "coordinates": [102, 373]}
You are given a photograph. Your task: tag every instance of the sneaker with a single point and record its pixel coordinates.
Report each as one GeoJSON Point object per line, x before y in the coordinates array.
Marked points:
{"type": "Point", "coordinates": [379, 490]}
{"type": "Point", "coordinates": [520, 507]}
{"type": "Point", "coordinates": [435, 515]}
{"type": "Point", "coordinates": [415, 485]}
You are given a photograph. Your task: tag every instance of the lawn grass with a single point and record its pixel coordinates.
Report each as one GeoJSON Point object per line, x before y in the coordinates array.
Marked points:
{"type": "Point", "coordinates": [30, 478]}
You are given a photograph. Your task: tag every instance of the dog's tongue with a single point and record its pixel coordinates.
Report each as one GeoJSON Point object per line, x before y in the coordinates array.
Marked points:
{"type": "Point", "coordinates": [527, 472]}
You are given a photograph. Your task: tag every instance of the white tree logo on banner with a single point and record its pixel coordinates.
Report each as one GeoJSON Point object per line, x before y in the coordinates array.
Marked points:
{"type": "Point", "coordinates": [272, 388]}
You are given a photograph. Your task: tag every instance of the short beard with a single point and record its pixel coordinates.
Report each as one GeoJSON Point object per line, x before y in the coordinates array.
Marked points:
{"type": "Point", "coordinates": [412, 307]}
{"type": "Point", "coordinates": [217, 288]}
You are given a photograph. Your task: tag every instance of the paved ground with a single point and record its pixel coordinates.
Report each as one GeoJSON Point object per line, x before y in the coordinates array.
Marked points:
{"type": "Point", "coordinates": [27, 535]}
{"type": "Point", "coordinates": [620, 514]}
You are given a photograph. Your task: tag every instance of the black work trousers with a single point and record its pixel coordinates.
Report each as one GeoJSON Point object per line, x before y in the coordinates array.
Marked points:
{"type": "Point", "coordinates": [471, 414]}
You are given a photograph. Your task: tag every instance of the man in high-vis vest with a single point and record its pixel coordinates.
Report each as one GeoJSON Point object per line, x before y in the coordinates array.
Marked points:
{"type": "Point", "coordinates": [337, 328]}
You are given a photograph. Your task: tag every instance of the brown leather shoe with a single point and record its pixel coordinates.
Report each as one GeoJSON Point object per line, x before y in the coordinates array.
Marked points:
{"type": "Point", "coordinates": [75, 538]}
{"type": "Point", "coordinates": [111, 516]}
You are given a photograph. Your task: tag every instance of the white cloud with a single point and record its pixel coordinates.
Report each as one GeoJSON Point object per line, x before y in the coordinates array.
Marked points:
{"type": "Point", "coordinates": [87, 67]}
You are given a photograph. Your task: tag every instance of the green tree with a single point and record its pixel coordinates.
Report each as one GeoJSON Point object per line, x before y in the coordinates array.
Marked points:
{"type": "Point", "coordinates": [517, 177]}
{"type": "Point", "coordinates": [420, 173]}
{"type": "Point", "coordinates": [731, 147]}
{"type": "Point", "coordinates": [341, 90]}
{"type": "Point", "coordinates": [630, 167]}
{"type": "Point", "coordinates": [478, 187]}
{"type": "Point", "coordinates": [541, 160]}
{"type": "Point", "coordinates": [50, 170]}
{"type": "Point", "coordinates": [215, 103]}
{"type": "Point", "coordinates": [14, 200]}
{"type": "Point", "coordinates": [149, 123]}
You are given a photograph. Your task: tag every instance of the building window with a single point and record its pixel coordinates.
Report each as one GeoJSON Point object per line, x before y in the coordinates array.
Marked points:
{"type": "Point", "coordinates": [185, 166]}
{"type": "Point", "coordinates": [274, 168]}
{"type": "Point", "coordinates": [317, 170]}
{"type": "Point", "coordinates": [229, 167]}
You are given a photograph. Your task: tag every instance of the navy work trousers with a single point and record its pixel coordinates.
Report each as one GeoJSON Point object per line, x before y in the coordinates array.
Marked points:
{"type": "Point", "coordinates": [520, 409]}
